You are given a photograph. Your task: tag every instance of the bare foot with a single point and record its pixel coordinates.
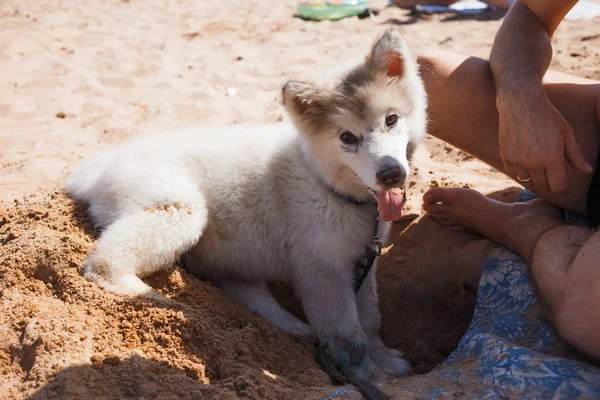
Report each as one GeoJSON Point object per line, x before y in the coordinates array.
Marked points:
{"type": "Point", "coordinates": [516, 226]}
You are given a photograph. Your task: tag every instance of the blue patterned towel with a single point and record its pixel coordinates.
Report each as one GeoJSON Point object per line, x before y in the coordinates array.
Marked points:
{"type": "Point", "coordinates": [509, 351]}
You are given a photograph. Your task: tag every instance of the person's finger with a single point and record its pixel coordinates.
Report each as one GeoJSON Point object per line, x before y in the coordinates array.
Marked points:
{"type": "Point", "coordinates": [574, 154]}
{"type": "Point", "coordinates": [510, 171]}
{"type": "Point", "coordinates": [557, 177]}
{"type": "Point", "coordinates": [523, 175]}
{"type": "Point", "coordinates": [540, 181]}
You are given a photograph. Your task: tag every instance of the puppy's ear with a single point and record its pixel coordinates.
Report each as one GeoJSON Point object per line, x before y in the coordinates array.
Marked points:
{"type": "Point", "coordinates": [387, 55]}
{"type": "Point", "coordinates": [310, 107]}
{"type": "Point", "coordinates": [298, 97]}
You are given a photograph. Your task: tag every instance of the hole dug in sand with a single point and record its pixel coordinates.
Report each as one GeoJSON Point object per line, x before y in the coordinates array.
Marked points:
{"type": "Point", "coordinates": [67, 338]}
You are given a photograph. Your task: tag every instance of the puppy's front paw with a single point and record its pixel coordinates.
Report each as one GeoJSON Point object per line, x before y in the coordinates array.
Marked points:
{"type": "Point", "coordinates": [390, 361]}
{"type": "Point", "coordinates": [346, 353]}
{"type": "Point", "coordinates": [353, 358]}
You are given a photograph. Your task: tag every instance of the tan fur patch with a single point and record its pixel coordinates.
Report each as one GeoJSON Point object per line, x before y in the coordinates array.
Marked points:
{"type": "Point", "coordinates": [171, 209]}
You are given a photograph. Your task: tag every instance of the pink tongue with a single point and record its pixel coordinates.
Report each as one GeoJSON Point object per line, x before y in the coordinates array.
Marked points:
{"type": "Point", "coordinates": [390, 204]}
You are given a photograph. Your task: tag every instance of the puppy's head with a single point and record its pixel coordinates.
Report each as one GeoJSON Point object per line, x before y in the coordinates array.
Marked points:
{"type": "Point", "coordinates": [363, 124]}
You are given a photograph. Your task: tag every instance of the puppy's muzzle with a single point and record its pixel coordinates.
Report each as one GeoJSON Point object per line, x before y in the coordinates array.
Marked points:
{"type": "Point", "coordinates": [391, 177]}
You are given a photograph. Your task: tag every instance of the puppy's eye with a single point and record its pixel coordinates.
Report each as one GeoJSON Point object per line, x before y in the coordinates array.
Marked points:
{"type": "Point", "coordinates": [348, 138]}
{"type": "Point", "coordinates": [391, 120]}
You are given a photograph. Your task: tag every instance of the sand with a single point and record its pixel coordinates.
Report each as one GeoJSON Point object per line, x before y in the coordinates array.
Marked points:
{"type": "Point", "coordinates": [78, 78]}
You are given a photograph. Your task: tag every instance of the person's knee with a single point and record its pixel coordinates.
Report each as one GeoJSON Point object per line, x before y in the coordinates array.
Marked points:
{"type": "Point", "coordinates": [431, 59]}
{"type": "Point", "coordinates": [578, 321]}
{"type": "Point", "coordinates": [437, 66]}
{"type": "Point", "coordinates": [564, 267]}
{"type": "Point", "coordinates": [552, 250]}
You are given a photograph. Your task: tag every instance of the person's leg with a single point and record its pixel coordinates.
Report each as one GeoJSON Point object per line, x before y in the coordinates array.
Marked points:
{"type": "Point", "coordinates": [462, 111]}
{"type": "Point", "coordinates": [569, 284]}
{"type": "Point", "coordinates": [564, 260]}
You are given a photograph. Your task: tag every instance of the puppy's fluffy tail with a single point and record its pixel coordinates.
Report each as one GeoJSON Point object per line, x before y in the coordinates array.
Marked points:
{"type": "Point", "coordinates": [86, 175]}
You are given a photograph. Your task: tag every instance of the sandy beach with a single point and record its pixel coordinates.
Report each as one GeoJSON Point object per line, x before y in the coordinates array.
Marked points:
{"type": "Point", "coordinates": [79, 77]}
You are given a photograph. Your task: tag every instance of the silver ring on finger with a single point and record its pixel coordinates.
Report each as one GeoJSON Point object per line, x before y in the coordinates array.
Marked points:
{"type": "Point", "coordinates": [523, 180]}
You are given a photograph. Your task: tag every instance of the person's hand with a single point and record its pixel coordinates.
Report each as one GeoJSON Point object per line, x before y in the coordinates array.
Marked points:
{"type": "Point", "coordinates": [536, 142]}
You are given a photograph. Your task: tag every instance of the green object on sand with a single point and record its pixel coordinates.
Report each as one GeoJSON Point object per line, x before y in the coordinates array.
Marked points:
{"type": "Point", "coordinates": [331, 9]}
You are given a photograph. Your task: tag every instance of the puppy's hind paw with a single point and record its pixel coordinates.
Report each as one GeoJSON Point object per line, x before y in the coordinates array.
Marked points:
{"type": "Point", "coordinates": [125, 285]}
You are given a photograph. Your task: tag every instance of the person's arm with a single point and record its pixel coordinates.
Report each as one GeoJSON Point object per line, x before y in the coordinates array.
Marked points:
{"type": "Point", "coordinates": [522, 51]}
{"type": "Point", "coordinates": [535, 140]}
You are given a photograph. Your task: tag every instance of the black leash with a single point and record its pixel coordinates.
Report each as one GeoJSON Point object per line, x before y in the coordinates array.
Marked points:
{"type": "Point", "coordinates": [363, 267]}
{"type": "Point", "coordinates": [366, 261]}
{"type": "Point", "coordinates": [370, 391]}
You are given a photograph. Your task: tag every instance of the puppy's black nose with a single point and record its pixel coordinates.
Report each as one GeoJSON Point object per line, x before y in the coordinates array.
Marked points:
{"type": "Point", "coordinates": [391, 176]}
